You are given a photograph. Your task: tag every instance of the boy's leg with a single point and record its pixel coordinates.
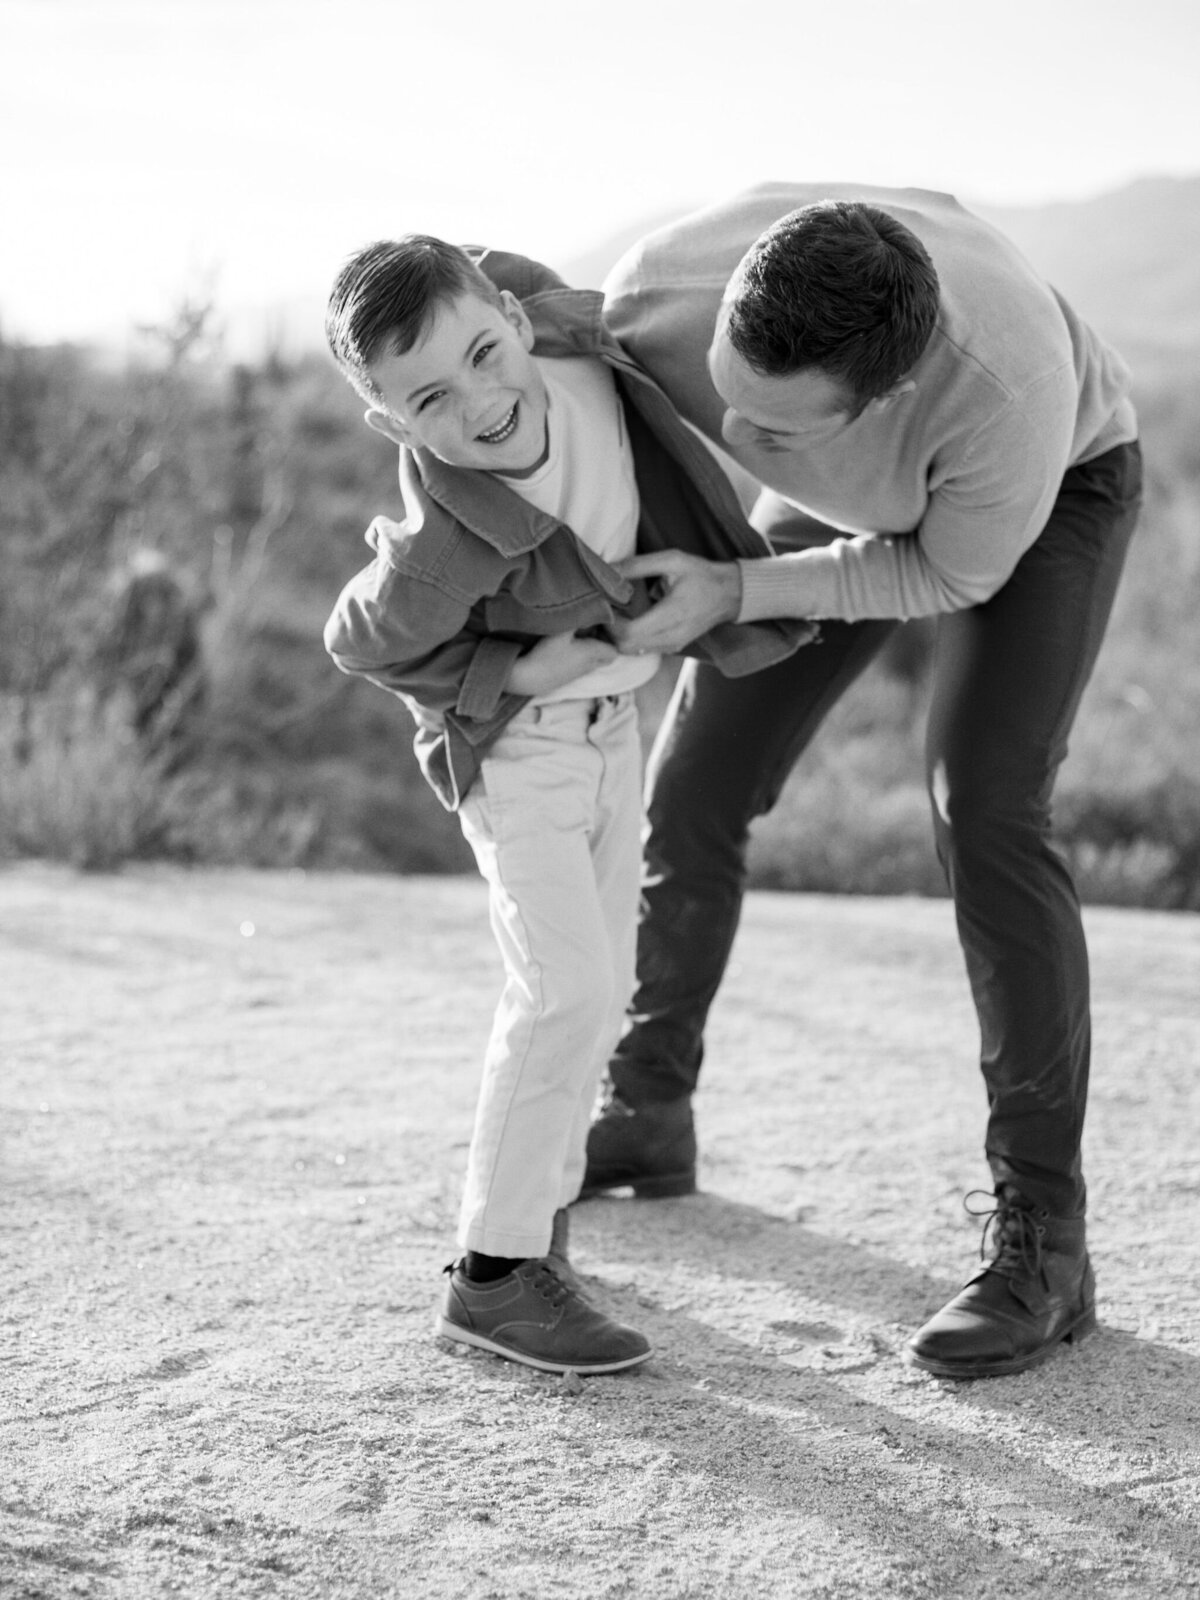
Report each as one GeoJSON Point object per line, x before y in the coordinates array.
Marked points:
{"type": "Point", "coordinates": [530, 819]}
{"type": "Point", "coordinates": [549, 821]}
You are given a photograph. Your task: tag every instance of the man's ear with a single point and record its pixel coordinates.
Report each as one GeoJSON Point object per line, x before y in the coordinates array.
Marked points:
{"type": "Point", "coordinates": [515, 313]}
{"type": "Point", "coordinates": [388, 426]}
{"type": "Point", "coordinates": [905, 386]}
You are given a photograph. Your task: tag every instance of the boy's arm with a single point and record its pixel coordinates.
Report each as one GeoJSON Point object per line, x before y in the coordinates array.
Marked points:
{"type": "Point", "coordinates": [411, 638]}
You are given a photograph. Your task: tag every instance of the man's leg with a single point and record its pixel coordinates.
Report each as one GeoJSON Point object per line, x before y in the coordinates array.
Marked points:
{"type": "Point", "coordinates": [721, 757]}
{"type": "Point", "coordinates": [616, 856]}
{"type": "Point", "coordinates": [1008, 679]}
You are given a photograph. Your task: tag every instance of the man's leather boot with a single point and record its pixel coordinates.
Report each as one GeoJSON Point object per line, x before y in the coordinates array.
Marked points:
{"type": "Point", "coordinates": [1036, 1292]}
{"type": "Point", "coordinates": [650, 1149]}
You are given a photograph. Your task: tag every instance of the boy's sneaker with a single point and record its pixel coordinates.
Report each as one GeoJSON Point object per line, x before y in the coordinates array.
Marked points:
{"type": "Point", "coordinates": [533, 1317]}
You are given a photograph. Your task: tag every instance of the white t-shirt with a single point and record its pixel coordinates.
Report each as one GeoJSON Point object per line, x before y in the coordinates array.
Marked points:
{"type": "Point", "coordinates": [588, 482]}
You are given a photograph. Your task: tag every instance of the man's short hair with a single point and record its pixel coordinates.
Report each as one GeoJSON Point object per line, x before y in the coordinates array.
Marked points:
{"type": "Point", "coordinates": [840, 286]}
{"type": "Point", "coordinates": [385, 296]}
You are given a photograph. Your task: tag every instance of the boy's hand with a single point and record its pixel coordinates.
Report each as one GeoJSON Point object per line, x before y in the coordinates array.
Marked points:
{"type": "Point", "coordinates": [699, 594]}
{"type": "Point", "coordinates": [558, 659]}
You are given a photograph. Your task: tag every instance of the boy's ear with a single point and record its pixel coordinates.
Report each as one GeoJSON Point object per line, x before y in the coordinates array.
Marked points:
{"type": "Point", "coordinates": [514, 311]}
{"type": "Point", "coordinates": [387, 426]}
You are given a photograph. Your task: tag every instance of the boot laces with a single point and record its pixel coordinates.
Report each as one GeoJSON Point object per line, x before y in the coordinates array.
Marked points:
{"type": "Point", "coordinates": [1015, 1231]}
{"type": "Point", "coordinates": [612, 1105]}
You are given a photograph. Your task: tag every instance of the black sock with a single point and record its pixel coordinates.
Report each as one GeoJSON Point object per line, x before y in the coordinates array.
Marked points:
{"type": "Point", "coordinates": [486, 1269]}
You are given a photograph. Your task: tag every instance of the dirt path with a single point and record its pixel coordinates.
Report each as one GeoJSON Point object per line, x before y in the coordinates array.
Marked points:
{"type": "Point", "coordinates": [234, 1112]}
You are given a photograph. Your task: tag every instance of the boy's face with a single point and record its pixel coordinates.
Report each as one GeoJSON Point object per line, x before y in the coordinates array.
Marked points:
{"type": "Point", "coordinates": [469, 390]}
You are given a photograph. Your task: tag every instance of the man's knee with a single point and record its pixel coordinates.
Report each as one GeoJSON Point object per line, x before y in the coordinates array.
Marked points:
{"type": "Point", "coordinates": [974, 807]}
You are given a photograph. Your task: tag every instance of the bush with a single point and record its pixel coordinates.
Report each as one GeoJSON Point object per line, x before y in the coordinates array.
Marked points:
{"type": "Point", "coordinates": [247, 490]}
{"type": "Point", "coordinates": [76, 784]}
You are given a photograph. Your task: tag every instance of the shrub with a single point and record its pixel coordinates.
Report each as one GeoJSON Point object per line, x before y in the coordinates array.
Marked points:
{"type": "Point", "coordinates": [76, 784]}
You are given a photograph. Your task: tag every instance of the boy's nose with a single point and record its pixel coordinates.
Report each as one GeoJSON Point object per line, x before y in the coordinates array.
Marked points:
{"type": "Point", "coordinates": [485, 396]}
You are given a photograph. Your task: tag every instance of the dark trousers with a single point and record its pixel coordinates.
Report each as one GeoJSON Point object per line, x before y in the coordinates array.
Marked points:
{"type": "Point", "coordinates": [1007, 680]}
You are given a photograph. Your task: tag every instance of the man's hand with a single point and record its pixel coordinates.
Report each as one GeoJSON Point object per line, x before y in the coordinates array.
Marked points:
{"type": "Point", "coordinates": [700, 594]}
{"type": "Point", "coordinates": [558, 659]}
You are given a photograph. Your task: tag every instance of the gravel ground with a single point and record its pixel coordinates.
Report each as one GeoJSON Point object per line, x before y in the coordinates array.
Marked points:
{"type": "Point", "coordinates": [235, 1108]}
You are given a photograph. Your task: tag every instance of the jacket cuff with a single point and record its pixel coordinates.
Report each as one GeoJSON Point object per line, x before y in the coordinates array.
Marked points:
{"type": "Point", "coordinates": [483, 683]}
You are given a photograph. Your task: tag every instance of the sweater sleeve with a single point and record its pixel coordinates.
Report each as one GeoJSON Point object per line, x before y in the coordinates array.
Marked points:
{"type": "Point", "coordinates": [981, 518]}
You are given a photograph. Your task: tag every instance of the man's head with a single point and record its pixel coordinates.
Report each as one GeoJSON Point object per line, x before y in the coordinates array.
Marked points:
{"type": "Point", "coordinates": [443, 357]}
{"type": "Point", "coordinates": [827, 313]}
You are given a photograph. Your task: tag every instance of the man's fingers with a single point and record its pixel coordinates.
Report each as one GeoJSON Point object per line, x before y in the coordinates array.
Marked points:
{"type": "Point", "coordinates": [651, 631]}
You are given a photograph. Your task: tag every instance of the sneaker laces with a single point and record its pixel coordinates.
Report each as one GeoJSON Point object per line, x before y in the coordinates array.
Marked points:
{"type": "Point", "coordinates": [1016, 1234]}
{"type": "Point", "coordinates": [549, 1285]}
{"type": "Point", "coordinates": [545, 1280]}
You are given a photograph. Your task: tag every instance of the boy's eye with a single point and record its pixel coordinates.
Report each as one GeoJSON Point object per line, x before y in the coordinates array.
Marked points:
{"type": "Point", "coordinates": [484, 350]}
{"type": "Point", "coordinates": [429, 399]}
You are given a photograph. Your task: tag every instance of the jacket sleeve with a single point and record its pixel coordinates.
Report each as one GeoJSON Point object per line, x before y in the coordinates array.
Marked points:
{"type": "Point", "coordinates": [409, 636]}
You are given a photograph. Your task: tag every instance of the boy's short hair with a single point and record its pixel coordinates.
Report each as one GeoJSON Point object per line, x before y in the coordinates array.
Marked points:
{"type": "Point", "coordinates": [385, 296]}
{"type": "Point", "coordinates": [840, 286]}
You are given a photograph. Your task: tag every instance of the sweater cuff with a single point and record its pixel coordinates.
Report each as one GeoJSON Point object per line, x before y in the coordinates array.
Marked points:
{"type": "Point", "coordinates": [776, 586]}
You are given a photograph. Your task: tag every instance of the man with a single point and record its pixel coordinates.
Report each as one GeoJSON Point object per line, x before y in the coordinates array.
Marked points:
{"type": "Point", "coordinates": [942, 436]}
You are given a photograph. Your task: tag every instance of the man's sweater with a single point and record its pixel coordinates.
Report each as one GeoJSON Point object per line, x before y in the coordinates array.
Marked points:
{"type": "Point", "coordinates": [951, 482]}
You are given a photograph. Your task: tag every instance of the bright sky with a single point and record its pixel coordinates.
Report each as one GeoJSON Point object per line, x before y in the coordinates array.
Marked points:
{"type": "Point", "coordinates": [148, 145]}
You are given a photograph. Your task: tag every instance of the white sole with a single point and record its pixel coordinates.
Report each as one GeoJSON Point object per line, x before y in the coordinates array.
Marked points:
{"type": "Point", "coordinates": [446, 1329]}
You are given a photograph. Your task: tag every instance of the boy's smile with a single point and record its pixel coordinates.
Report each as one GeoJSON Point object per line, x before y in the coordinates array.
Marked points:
{"type": "Point", "coordinates": [469, 390]}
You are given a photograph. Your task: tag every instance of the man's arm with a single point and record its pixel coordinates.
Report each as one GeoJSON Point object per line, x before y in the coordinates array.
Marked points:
{"type": "Point", "coordinates": [985, 509]}
{"type": "Point", "coordinates": [699, 595]}
{"type": "Point", "coordinates": [979, 522]}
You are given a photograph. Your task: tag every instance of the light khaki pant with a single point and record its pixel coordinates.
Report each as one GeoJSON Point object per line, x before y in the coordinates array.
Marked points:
{"type": "Point", "coordinates": [554, 820]}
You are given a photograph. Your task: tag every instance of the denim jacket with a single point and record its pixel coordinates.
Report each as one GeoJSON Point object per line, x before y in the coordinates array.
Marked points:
{"type": "Point", "coordinates": [474, 575]}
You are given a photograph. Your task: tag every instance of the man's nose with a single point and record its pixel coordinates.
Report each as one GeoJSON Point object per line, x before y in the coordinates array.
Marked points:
{"type": "Point", "coordinates": [735, 429]}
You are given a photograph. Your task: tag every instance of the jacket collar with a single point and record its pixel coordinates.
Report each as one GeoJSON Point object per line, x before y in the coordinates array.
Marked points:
{"type": "Point", "coordinates": [481, 501]}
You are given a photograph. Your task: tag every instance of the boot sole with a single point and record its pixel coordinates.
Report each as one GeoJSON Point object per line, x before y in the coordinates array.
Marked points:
{"type": "Point", "coordinates": [660, 1186]}
{"type": "Point", "coordinates": [446, 1329]}
{"type": "Point", "coordinates": [1074, 1333]}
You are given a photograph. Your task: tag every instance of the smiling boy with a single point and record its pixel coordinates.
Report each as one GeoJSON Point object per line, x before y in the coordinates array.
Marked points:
{"type": "Point", "coordinates": [534, 456]}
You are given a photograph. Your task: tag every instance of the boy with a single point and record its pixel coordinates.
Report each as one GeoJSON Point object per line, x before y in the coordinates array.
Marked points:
{"type": "Point", "coordinates": [532, 454]}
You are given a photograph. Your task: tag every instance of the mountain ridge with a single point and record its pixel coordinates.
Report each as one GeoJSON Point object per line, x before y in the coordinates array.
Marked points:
{"type": "Point", "coordinates": [1128, 260]}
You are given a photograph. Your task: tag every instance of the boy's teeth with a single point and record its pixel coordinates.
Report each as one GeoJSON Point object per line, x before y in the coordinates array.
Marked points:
{"type": "Point", "coordinates": [498, 432]}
